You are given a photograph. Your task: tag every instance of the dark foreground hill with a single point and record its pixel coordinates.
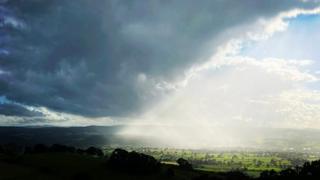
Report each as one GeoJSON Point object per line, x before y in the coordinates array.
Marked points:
{"type": "Point", "coordinates": [62, 162]}
{"type": "Point", "coordinates": [59, 162]}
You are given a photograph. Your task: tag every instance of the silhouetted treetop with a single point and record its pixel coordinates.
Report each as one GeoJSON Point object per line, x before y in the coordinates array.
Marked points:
{"type": "Point", "coordinates": [184, 164]}
{"type": "Point", "coordinates": [132, 161]}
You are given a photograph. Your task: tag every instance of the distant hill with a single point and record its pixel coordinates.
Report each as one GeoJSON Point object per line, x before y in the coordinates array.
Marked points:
{"type": "Point", "coordinates": [75, 136]}
{"type": "Point", "coordinates": [262, 138]}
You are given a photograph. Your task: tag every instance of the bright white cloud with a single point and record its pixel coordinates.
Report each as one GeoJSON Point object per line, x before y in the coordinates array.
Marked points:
{"type": "Point", "coordinates": [230, 91]}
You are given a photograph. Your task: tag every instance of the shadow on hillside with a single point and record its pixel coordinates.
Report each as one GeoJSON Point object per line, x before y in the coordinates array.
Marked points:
{"type": "Point", "coordinates": [66, 162]}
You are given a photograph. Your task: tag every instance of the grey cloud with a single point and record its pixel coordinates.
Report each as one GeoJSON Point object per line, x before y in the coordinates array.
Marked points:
{"type": "Point", "coordinates": [83, 57]}
{"type": "Point", "coordinates": [16, 110]}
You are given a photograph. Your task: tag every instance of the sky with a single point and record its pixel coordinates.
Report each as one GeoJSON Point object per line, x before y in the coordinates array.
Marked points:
{"type": "Point", "coordinates": [173, 65]}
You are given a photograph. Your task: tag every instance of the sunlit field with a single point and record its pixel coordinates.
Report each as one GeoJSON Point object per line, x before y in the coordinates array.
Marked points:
{"type": "Point", "coordinates": [248, 161]}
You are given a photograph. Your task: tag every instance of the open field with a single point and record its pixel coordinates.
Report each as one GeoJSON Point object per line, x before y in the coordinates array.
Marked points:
{"type": "Point", "coordinates": [251, 162]}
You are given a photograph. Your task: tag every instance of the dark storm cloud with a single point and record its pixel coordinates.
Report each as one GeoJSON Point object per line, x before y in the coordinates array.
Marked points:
{"type": "Point", "coordinates": [16, 110]}
{"type": "Point", "coordinates": [83, 56]}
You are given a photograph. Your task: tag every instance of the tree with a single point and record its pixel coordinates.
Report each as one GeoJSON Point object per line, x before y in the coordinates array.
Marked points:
{"type": "Point", "coordinates": [94, 151]}
{"type": "Point", "coordinates": [132, 162]}
{"type": "Point", "coordinates": [62, 148]}
{"type": "Point", "coordinates": [184, 164]}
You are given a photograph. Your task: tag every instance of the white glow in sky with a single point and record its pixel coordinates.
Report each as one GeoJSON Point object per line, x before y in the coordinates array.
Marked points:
{"type": "Point", "coordinates": [272, 82]}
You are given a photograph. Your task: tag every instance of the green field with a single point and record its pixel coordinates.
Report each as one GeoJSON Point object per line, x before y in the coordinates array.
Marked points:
{"type": "Point", "coordinates": [251, 162]}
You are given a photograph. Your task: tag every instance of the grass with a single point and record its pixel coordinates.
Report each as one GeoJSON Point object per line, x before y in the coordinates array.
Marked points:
{"type": "Point", "coordinates": [48, 166]}
{"type": "Point", "coordinates": [222, 161]}
{"type": "Point", "coordinates": [63, 166]}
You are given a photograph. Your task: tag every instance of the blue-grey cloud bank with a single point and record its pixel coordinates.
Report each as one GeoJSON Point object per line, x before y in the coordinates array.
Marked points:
{"type": "Point", "coordinates": [93, 58]}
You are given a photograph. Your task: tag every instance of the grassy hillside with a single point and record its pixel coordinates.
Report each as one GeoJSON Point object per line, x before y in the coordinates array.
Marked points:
{"type": "Point", "coordinates": [59, 162]}
{"type": "Point", "coordinates": [74, 166]}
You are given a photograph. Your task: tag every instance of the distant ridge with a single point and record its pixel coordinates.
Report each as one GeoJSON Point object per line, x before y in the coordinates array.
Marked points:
{"type": "Point", "coordinates": [258, 138]}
